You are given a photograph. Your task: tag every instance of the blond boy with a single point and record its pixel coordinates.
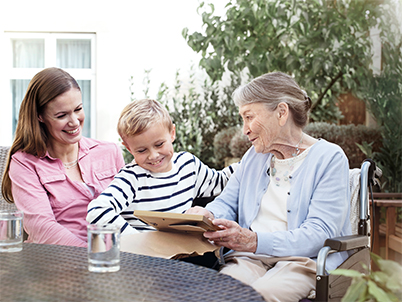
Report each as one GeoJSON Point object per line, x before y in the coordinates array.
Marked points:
{"type": "Point", "coordinates": [158, 179]}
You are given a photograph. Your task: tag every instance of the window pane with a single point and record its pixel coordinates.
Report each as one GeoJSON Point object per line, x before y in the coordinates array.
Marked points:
{"type": "Point", "coordinates": [74, 53]}
{"type": "Point", "coordinates": [28, 53]}
{"type": "Point", "coordinates": [85, 86]}
{"type": "Point", "coordinates": [18, 90]}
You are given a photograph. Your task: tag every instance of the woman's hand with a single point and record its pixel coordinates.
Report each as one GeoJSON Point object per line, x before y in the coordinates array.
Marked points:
{"type": "Point", "coordinates": [200, 211]}
{"type": "Point", "coordinates": [233, 236]}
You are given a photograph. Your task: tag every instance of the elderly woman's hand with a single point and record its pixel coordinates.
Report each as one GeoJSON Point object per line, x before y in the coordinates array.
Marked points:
{"type": "Point", "coordinates": [200, 211]}
{"type": "Point", "coordinates": [233, 236]}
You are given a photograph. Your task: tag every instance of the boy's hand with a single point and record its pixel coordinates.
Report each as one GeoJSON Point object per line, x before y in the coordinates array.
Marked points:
{"type": "Point", "coordinates": [200, 211]}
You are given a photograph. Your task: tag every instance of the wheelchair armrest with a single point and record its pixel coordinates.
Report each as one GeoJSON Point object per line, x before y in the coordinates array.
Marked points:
{"type": "Point", "coordinates": [347, 243]}
{"type": "Point", "coordinates": [339, 244]}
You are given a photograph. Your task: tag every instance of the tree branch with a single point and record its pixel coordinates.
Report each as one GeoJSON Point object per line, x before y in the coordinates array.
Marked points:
{"type": "Point", "coordinates": [326, 89]}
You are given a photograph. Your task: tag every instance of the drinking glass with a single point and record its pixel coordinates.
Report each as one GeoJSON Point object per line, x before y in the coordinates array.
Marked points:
{"type": "Point", "coordinates": [103, 248]}
{"type": "Point", "coordinates": [11, 230]}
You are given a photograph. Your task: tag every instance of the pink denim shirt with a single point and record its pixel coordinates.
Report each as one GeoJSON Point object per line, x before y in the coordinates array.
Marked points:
{"type": "Point", "coordinates": [54, 206]}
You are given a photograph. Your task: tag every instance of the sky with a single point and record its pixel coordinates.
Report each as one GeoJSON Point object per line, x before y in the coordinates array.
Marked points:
{"type": "Point", "coordinates": [164, 50]}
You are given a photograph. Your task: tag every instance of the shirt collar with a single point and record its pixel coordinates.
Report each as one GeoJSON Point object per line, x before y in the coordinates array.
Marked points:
{"type": "Point", "coordinates": [85, 144]}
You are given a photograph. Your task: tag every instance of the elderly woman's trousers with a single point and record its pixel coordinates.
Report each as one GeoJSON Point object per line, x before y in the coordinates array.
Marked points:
{"type": "Point", "coordinates": [275, 278]}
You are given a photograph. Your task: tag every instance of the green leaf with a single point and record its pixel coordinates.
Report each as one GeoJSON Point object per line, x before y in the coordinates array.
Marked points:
{"type": "Point", "coordinates": [355, 291]}
{"type": "Point", "coordinates": [184, 33]}
{"type": "Point", "coordinates": [389, 267]}
{"type": "Point", "coordinates": [316, 65]}
{"type": "Point", "coordinates": [346, 272]}
{"type": "Point", "coordinates": [377, 293]}
{"type": "Point", "coordinates": [394, 283]}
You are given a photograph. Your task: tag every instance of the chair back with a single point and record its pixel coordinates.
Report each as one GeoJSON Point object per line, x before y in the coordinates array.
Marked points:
{"type": "Point", "coordinates": [4, 205]}
{"type": "Point", "coordinates": [359, 181]}
{"type": "Point", "coordinates": [355, 201]}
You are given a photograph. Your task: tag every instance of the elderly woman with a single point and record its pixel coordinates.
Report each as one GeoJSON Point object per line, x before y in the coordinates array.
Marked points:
{"type": "Point", "coordinates": [53, 172]}
{"type": "Point", "coordinates": [288, 196]}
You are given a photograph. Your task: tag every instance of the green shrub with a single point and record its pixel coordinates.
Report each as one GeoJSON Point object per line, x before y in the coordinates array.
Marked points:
{"type": "Point", "coordinates": [385, 105]}
{"type": "Point", "coordinates": [223, 113]}
{"type": "Point", "coordinates": [348, 137]}
{"type": "Point", "coordinates": [230, 143]}
{"type": "Point", "coordinates": [239, 144]}
{"type": "Point", "coordinates": [188, 114]}
{"type": "Point", "coordinates": [383, 95]}
{"type": "Point", "coordinates": [222, 144]}
{"type": "Point", "coordinates": [351, 138]}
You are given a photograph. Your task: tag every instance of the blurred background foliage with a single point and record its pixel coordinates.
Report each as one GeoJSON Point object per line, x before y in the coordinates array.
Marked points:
{"type": "Point", "coordinates": [325, 45]}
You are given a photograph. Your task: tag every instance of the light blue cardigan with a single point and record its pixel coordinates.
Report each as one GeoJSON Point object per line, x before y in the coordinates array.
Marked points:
{"type": "Point", "coordinates": [318, 203]}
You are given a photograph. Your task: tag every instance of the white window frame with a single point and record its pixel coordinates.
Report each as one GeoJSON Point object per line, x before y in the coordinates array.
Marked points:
{"type": "Point", "coordinates": [50, 39]}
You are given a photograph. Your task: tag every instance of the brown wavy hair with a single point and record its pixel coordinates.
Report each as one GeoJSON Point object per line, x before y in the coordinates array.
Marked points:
{"type": "Point", "coordinates": [31, 135]}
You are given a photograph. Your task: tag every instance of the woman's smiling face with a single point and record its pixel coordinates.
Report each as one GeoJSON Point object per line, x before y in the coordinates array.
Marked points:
{"type": "Point", "coordinates": [64, 118]}
{"type": "Point", "coordinates": [260, 125]}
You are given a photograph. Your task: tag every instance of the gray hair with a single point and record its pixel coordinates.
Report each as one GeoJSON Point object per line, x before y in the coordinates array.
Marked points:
{"type": "Point", "coordinates": [272, 89]}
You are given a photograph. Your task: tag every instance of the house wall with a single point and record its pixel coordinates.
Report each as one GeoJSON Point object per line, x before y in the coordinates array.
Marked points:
{"type": "Point", "coordinates": [131, 36]}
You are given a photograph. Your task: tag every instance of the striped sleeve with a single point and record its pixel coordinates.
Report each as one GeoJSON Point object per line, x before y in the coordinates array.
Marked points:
{"type": "Point", "coordinates": [211, 182]}
{"type": "Point", "coordinates": [112, 202]}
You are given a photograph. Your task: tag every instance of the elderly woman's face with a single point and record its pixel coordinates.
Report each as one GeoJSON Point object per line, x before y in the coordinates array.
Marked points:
{"type": "Point", "coordinates": [260, 125]}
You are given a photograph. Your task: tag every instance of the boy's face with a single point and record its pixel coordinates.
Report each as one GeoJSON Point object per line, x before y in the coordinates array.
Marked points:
{"type": "Point", "coordinates": [152, 149]}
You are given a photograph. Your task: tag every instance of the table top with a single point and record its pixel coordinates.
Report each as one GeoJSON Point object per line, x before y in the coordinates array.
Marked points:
{"type": "Point", "coordinates": [42, 272]}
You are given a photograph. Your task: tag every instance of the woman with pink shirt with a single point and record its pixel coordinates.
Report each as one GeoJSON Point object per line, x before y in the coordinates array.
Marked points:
{"type": "Point", "coordinates": [52, 171]}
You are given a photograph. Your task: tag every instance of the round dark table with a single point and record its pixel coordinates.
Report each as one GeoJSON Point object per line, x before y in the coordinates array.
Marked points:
{"type": "Point", "coordinates": [42, 272]}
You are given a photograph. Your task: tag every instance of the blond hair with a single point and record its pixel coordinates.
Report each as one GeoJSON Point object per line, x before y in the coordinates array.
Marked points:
{"type": "Point", "coordinates": [139, 115]}
{"type": "Point", "coordinates": [272, 89]}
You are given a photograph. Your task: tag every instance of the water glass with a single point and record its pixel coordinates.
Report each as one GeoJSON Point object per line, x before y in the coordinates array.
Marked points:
{"type": "Point", "coordinates": [11, 230]}
{"type": "Point", "coordinates": [103, 248]}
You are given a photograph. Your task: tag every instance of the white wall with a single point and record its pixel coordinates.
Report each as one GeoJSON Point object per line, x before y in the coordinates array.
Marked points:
{"type": "Point", "coordinates": [132, 35]}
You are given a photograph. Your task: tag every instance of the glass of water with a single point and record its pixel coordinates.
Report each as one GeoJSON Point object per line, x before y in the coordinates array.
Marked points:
{"type": "Point", "coordinates": [11, 230]}
{"type": "Point", "coordinates": [103, 248]}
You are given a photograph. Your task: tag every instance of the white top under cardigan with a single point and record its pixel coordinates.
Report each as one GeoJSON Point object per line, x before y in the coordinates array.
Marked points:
{"type": "Point", "coordinates": [317, 207]}
{"type": "Point", "coordinates": [272, 215]}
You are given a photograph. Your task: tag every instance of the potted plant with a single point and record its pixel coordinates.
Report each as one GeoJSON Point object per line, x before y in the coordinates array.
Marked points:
{"type": "Point", "coordinates": [381, 286]}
